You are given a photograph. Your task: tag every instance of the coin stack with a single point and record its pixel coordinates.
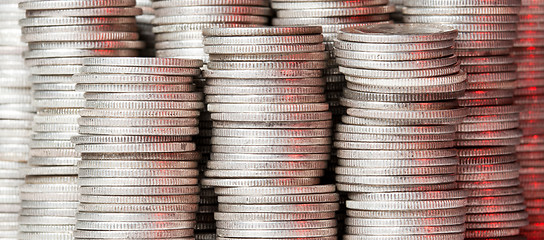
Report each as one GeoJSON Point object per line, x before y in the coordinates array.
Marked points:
{"type": "Point", "coordinates": [271, 129]}
{"type": "Point", "coordinates": [146, 28]}
{"type": "Point", "coordinates": [529, 55]}
{"type": "Point", "coordinates": [16, 115]}
{"type": "Point", "coordinates": [271, 124]}
{"type": "Point", "coordinates": [178, 29]}
{"type": "Point", "coordinates": [60, 34]}
{"type": "Point", "coordinates": [486, 28]}
{"type": "Point", "coordinates": [332, 16]}
{"type": "Point", "coordinates": [396, 152]}
{"type": "Point", "coordinates": [488, 135]}
{"type": "Point", "coordinates": [138, 174]}
{"type": "Point", "coordinates": [179, 23]}
{"type": "Point", "coordinates": [290, 212]}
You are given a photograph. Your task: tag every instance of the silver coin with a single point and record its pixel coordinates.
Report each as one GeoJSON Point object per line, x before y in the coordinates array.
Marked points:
{"type": "Point", "coordinates": [394, 33]}
{"type": "Point", "coordinates": [261, 31]}
{"type": "Point", "coordinates": [316, 13]}
{"type": "Point", "coordinates": [322, 4]}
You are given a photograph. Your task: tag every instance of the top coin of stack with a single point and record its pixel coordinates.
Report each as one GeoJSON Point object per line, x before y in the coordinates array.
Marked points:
{"type": "Point", "coordinates": [15, 116]}
{"type": "Point", "coordinates": [265, 92]}
{"type": "Point", "coordinates": [138, 173]}
{"type": "Point", "coordinates": [179, 23]}
{"type": "Point", "coordinates": [396, 144]}
{"type": "Point", "coordinates": [529, 56]}
{"type": "Point", "coordinates": [60, 34]}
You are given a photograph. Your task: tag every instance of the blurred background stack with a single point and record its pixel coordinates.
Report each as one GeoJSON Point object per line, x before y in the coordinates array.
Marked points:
{"type": "Point", "coordinates": [397, 160]}
{"type": "Point", "coordinates": [138, 174]}
{"type": "Point", "coordinates": [178, 24]}
{"type": "Point", "coordinates": [59, 34]}
{"type": "Point", "coordinates": [487, 138]}
{"type": "Point", "coordinates": [529, 57]}
{"type": "Point", "coordinates": [16, 114]}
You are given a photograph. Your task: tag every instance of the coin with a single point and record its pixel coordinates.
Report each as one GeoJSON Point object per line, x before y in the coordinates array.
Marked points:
{"type": "Point", "coordinates": [319, 232]}
{"type": "Point", "coordinates": [262, 31]}
{"type": "Point", "coordinates": [390, 33]}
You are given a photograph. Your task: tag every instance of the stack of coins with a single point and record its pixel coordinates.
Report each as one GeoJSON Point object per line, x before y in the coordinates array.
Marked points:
{"type": "Point", "coordinates": [138, 173]}
{"type": "Point", "coordinates": [179, 23]}
{"type": "Point", "coordinates": [299, 212]}
{"type": "Point", "coordinates": [495, 206]}
{"type": "Point", "coordinates": [487, 30]}
{"type": "Point", "coordinates": [265, 90]}
{"type": "Point", "coordinates": [529, 55]}
{"type": "Point", "coordinates": [396, 152]}
{"type": "Point", "coordinates": [60, 34]}
{"type": "Point", "coordinates": [146, 28]}
{"type": "Point", "coordinates": [16, 115]}
{"type": "Point", "coordinates": [271, 128]}
{"type": "Point", "coordinates": [178, 29]}
{"type": "Point", "coordinates": [332, 16]}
